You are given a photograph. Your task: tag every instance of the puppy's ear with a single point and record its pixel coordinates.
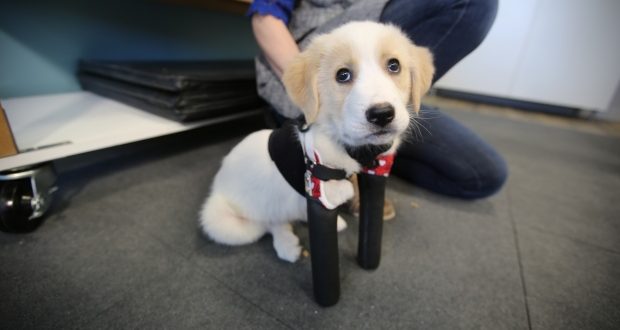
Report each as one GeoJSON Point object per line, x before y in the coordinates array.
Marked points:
{"type": "Point", "coordinates": [300, 81]}
{"type": "Point", "coordinates": [422, 71]}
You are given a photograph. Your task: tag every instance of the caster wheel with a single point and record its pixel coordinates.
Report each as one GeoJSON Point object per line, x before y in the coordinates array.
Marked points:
{"type": "Point", "coordinates": [16, 208]}
{"type": "Point", "coordinates": [25, 196]}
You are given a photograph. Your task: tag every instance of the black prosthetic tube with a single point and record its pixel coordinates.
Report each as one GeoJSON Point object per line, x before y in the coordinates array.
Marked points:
{"type": "Point", "coordinates": [372, 198]}
{"type": "Point", "coordinates": [324, 253]}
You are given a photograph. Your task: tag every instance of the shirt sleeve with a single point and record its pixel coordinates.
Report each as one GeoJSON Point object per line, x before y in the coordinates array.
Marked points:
{"type": "Point", "coordinates": [281, 9]}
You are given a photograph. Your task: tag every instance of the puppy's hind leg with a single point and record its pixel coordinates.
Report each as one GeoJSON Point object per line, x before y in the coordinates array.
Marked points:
{"type": "Point", "coordinates": [222, 223]}
{"type": "Point", "coordinates": [285, 242]}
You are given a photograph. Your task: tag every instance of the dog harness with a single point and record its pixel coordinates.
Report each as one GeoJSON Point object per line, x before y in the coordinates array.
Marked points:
{"type": "Point", "coordinates": [299, 163]}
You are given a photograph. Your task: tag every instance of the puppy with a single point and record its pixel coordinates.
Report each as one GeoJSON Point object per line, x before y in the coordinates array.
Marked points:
{"type": "Point", "coordinates": [358, 87]}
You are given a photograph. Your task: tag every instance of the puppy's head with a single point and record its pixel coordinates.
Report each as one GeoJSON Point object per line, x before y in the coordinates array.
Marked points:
{"type": "Point", "coordinates": [360, 81]}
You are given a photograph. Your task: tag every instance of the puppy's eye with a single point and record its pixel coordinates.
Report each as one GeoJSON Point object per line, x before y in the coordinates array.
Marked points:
{"type": "Point", "coordinates": [344, 76]}
{"type": "Point", "coordinates": [393, 65]}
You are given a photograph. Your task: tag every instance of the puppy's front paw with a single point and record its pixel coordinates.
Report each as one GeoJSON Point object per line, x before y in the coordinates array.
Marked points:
{"type": "Point", "coordinates": [338, 191]}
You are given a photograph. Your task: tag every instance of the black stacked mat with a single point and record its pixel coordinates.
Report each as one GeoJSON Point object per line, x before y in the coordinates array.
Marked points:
{"type": "Point", "coordinates": [184, 91]}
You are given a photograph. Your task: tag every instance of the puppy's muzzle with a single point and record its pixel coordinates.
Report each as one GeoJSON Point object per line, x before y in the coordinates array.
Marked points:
{"type": "Point", "coordinates": [380, 114]}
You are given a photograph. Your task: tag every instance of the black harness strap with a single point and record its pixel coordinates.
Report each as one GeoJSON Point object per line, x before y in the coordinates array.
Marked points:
{"type": "Point", "coordinates": [367, 154]}
{"type": "Point", "coordinates": [325, 173]}
{"type": "Point", "coordinates": [286, 152]}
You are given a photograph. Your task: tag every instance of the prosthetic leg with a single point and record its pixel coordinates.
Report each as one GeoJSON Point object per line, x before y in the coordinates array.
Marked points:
{"type": "Point", "coordinates": [324, 253]}
{"type": "Point", "coordinates": [372, 198]}
{"type": "Point", "coordinates": [324, 238]}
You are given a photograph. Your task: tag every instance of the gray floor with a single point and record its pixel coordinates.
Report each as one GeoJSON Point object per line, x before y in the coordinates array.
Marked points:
{"type": "Point", "coordinates": [122, 249]}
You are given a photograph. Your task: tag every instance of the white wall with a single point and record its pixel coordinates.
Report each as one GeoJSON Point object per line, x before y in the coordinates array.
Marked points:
{"type": "Point", "coordinates": [559, 52]}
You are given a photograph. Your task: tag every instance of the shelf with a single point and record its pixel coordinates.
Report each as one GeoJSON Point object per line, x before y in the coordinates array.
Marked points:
{"type": "Point", "coordinates": [50, 127]}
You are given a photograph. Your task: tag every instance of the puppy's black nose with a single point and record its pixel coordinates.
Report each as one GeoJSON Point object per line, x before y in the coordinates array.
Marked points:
{"type": "Point", "coordinates": [380, 114]}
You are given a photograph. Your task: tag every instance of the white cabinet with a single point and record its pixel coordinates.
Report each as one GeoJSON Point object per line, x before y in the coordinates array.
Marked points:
{"type": "Point", "coordinates": [558, 52]}
{"type": "Point", "coordinates": [50, 127]}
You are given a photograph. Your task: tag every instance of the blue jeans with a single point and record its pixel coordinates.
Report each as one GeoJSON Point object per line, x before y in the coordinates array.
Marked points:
{"type": "Point", "coordinates": [447, 158]}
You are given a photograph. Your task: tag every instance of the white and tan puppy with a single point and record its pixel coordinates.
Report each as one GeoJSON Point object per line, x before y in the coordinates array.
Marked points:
{"type": "Point", "coordinates": [357, 85]}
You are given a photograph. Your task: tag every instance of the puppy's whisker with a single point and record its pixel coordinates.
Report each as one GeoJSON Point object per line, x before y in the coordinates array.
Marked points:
{"type": "Point", "coordinates": [420, 133]}
{"type": "Point", "coordinates": [413, 131]}
{"type": "Point", "coordinates": [411, 128]}
{"type": "Point", "coordinates": [419, 124]}
{"type": "Point", "coordinates": [416, 120]}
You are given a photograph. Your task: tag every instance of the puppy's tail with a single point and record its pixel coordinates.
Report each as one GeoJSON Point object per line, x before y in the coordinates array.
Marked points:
{"type": "Point", "coordinates": [223, 224]}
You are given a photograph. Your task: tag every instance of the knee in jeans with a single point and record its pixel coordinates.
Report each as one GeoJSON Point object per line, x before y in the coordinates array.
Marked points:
{"type": "Point", "coordinates": [480, 17]}
{"type": "Point", "coordinates": [487, 181]}
{"type": "Point", "coordinates": [484, 9]}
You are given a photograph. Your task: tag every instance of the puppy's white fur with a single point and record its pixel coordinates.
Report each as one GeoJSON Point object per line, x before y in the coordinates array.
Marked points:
{"type": "Point", "coordinates": [249, 196]}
